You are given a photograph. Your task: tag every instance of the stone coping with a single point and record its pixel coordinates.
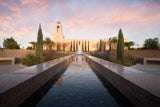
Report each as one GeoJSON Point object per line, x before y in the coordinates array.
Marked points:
{"type": "Point", "coordinates": [144, 80]}
{"type": "Point", "coordinates": [10, 80]}
{"type": "Point", "coordinates": [12, 59]}
{"type": "Point", "coordinates": [145, 59]}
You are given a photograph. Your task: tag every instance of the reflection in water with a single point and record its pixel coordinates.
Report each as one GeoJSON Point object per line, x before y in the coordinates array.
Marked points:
{"type": "Point", "coordinates": [121, 100]}
{"type": "Point", "coordinates": [59, 81]}
{"type": "Point", "coordinates": [38, 95]}
{"type": "Point", "coordinates": [77, 86]}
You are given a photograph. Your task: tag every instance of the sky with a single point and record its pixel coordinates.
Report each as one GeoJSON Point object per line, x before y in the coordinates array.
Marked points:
{"type": "Point", "coordinates": [81, 19]}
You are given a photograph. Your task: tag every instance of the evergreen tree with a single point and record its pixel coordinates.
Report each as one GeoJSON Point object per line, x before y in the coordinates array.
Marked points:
{"type": "Point", "coordinates": [110, 48]}
{"type": "Point", "coordinates": [85, 46]}
{"type": "Point", "coordinates": [104, 45]}
{"type": "Point", "coordinates": [63, 46]}
{"type": "Point", "coordinates": [88, 46]}
{"type": "Point", "coordinates": [100, 47]}
{"type": "Point", "coordinates": [71, 47]}
{"type": "Point", "coordinates": [74, 46]}
{"type": "Point", "coordinates": [82, 46]}
{"type": "Point", "coordinates": [39, 47]}
{"type": "Point", "coordinates": [120, 46]}
{"type": "Point", "coordinates": [57, 46]}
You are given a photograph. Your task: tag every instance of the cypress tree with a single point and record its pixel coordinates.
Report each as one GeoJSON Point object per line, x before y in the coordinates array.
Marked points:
{"type": "Point", "coordinates": [100, 47]}
{"type": "Point", "coordinates": [74, 45]}
{"type": "Point", "coordinates": [88, 46]}
{"type": "Point", "coordinates": [39, 47]}
{"type": "Point", "coordinates": [63, 46]}
{"type": "Point", "coordinates": [82, 46]}
{"type": "Point", "coordinates": [104, 45]}
{"type": "Point", "coordinates": [120, 46]}
{"type": "Point", "coordinates": [59, 48]}
{"type": "Point", "coordinates": [71, 46]}
{"type": "Point", "coordinates": [85, 46]}
{"type": "Point", "coordinates": [110, 48]}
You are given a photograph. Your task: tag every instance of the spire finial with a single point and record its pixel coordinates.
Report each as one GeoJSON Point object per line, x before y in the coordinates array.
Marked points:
{"type": "Point", "coordinates": [39, 25]}
{"type": "Point", "coordinates": [58, 21]}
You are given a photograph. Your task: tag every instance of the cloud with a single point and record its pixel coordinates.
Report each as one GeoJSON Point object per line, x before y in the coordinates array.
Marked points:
{"type": "Point", "coordinates": [90, 18]}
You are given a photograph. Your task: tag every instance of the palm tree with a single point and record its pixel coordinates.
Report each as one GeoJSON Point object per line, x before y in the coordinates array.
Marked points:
{"type": "Point", "coordinates": [129, 44]}
{"type": "Point", "coordinates": [48, 42]}
{"type": "Point", "coordinates": [33, 44]}
{"type": "Point", "coordinates": [114, 41]}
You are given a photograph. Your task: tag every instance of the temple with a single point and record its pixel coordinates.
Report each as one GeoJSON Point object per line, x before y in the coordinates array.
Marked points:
{"type": "Point", "coordinates": [60, 43]}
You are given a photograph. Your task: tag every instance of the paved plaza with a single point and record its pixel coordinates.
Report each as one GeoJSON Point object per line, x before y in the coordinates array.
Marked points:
{"type": "Point", "coordinates": [152, 69]}
{"type": "Point", "coordinates": [10, 68]}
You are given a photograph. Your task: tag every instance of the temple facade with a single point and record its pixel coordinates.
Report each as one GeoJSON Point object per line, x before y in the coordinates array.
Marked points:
{"type": "Point", "coordinates": [60, 43]}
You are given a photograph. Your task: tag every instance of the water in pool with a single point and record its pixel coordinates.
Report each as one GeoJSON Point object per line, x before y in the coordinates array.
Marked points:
{"type": "Point", "coordinates": [78, 86]}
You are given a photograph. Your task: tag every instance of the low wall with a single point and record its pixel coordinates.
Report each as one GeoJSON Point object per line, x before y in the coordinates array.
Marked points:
{"type": "Point", "coordinates": [23, 83]}
{"type": "Point", "coordinates": [137, 54]}
{"type": "Point", "coordinates": [21, 53]}
{"type": "Point", "coordinates": [18, 53]}
{"type": "Point", "coordinates": [139, 87]}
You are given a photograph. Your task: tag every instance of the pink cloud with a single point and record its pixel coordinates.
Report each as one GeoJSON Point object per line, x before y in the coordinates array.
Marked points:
{"type": "Point", "coordinates": [76, 18]}
{"type": "Point", "coordinates": [30, 1]}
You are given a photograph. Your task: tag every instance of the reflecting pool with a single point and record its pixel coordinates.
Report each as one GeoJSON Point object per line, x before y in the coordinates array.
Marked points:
{"type": "Point", "coordinates": [78, 86]}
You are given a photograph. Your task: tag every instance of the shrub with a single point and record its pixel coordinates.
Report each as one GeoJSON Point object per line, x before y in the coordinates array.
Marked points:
{"type": "Point", "coordinates": [101, 57]}
{"type": "Point", "coordinates": [48, 56]}
{"type": "Point", "coordinates": [29, 48]}
{"type": "Point", "coordinates": [59, 56]}
{"type": "Point", "coordinates": [128, 61]}
{"type": "Point", "coordinates": [116, 61]}
{"type": "Point", "coordinates": [33, 60]}
{"type": "Point", "coordinates": [30, 60]}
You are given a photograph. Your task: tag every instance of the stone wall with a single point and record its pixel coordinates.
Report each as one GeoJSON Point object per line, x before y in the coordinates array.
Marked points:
{"type": "Point", "coordinates": [18, 53]}
{"type": "Point", "coordinates": [137, 54]}
{"type": "Point", "coordinates": [21, 53]}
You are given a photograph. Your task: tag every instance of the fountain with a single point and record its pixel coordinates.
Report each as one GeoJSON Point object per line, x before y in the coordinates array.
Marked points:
{"type": "Point", "coordinates": [79, 50]}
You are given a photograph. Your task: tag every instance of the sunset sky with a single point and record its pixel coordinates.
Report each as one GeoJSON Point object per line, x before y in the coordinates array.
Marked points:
{"type": "Point", "coordinates": [81, 19]}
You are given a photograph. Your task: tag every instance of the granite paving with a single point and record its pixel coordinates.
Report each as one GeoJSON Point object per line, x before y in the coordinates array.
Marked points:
{"type": "Point", "coordinates": [10, 68]}
{"type": "Point", "coordinates": [148, 68]}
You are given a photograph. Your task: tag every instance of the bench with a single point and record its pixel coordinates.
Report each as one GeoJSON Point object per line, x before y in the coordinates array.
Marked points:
{"type": "Point", "coordinates": [150, 59]}
{"type": "Point", "coordinates": [11, 60]}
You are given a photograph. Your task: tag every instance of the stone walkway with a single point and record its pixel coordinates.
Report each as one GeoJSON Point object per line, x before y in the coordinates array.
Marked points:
{"type": "Point", "coordinates": [152, 69]}
{"type": "Point", "coordinates": [10, 68]}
